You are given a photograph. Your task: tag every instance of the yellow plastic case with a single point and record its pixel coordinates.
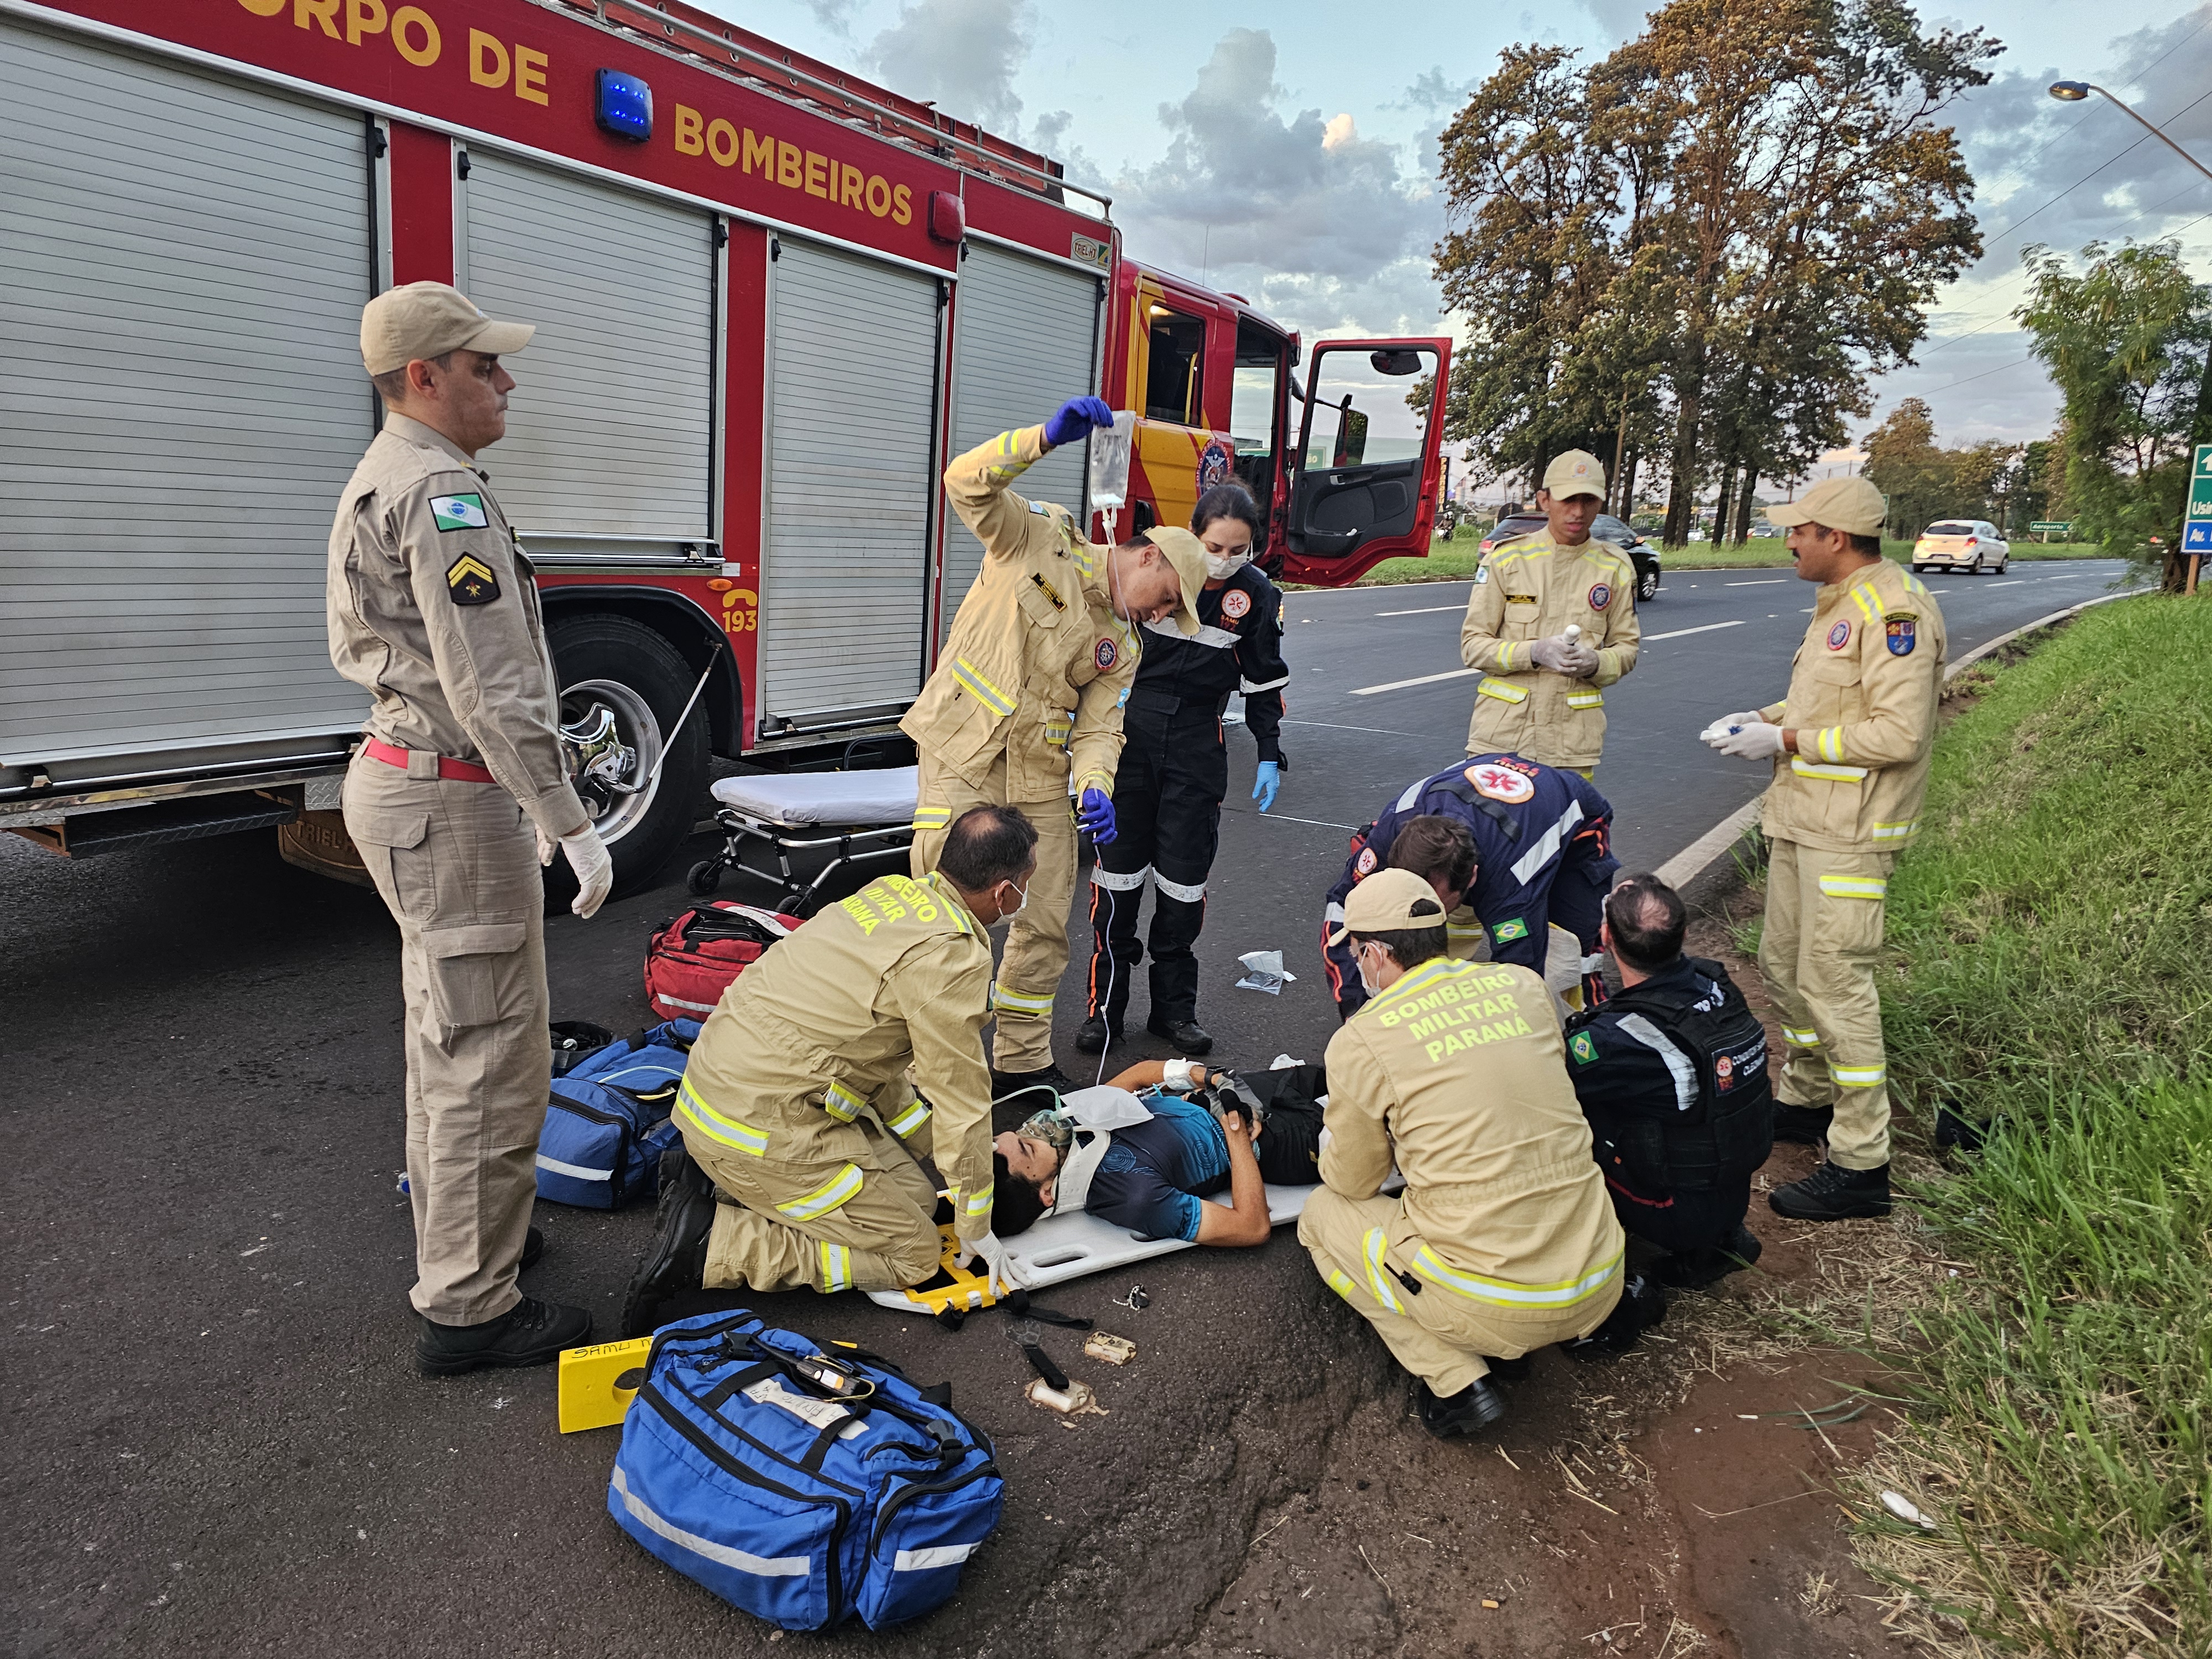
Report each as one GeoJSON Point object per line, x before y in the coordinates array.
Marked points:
{"type": "Point", "coordinates": [598, 1382]}
{"type": "Point", "coordinates": [967, 1291]}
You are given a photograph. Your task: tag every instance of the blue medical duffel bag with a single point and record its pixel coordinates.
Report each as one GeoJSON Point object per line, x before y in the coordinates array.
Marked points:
{"type": "Point", "coordinates": [608, 1120]}
{"type": "Point", "coordinates": [801, 1487]}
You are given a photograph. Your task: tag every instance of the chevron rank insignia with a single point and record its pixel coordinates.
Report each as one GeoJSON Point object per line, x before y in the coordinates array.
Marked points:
{"type": "Point", "coordinates": [459, 512]}
{"type": "Point", "coordinates": [469, 580]}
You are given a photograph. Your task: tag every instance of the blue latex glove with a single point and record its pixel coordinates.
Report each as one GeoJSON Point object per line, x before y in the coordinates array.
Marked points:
{"type": "Point", "coordinates": [1094, 816]}
{"type": "Point", "coordinates": [1072, 421]}
{"type": "Point", "coordinates": [1266, 787]}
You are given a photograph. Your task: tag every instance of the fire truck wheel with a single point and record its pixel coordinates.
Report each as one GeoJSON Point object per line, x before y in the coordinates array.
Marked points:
{"type": "Point", "coordinates": [622, 686]}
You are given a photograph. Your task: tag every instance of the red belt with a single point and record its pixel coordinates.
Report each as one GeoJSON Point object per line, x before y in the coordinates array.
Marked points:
{"type": "Point", "coordinates": [460, 771]}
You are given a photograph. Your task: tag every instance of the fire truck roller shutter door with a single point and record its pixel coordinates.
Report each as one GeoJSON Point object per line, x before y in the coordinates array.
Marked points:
{"type": "Point", "coordinates": [168, 233]}
{"type": "Point", "coordinates": [852, 355]}
{"type": "Point", "coordinates": [1025, 340]}
{"type": "Point", "coordinates": [610, 431]}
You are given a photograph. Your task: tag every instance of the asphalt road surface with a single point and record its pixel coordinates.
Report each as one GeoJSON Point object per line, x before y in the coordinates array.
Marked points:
{"type": "Point", "coordinates": [217, 1443]}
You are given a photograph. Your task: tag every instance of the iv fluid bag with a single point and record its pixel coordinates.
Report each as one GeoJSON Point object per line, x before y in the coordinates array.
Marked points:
{"type": "Point", "coordinates": [1110, 462]}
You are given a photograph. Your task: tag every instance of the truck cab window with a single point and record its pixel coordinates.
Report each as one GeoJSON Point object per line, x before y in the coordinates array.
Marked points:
{"type": "Point", "coordinates": [1174, 384]}
{"type": "Point", "coordinates": [1254, 406]}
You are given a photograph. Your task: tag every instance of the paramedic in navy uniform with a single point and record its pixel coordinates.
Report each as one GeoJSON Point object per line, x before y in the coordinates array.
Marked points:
{"type": "Point", "coordinates": [1174, 772]}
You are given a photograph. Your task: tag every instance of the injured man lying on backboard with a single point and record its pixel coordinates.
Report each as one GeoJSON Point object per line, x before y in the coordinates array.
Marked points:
{"type": "Point", "coordinates": [1144, 1151]}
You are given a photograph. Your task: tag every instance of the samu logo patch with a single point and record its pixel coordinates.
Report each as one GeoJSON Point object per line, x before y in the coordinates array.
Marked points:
{"type": "Point", "coordinates": [459, 512]}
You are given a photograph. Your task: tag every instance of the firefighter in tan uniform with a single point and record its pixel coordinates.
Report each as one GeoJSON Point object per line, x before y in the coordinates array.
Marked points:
{"type": "Point", "coordinates": [432, 610]}
{"type": "Point", "coordinates": [851, 1050]}
{"type": "Point", "coordinates": [1028, 696]}
{"type": "Point", "coordinates": [1542, 694]}
{"type": "Point", "coordinates": [1504, 1239]}
{"type": "Point", "coordinates": [1856, 731]}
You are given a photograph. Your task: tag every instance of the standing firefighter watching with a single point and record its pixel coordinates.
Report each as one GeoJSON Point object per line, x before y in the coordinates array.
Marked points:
{"type": "Point", "coordinates": [1856, 730]}
{"type": "Point", "coordinates": [1027, 694]}
{"type": "Point", "coordinates": [1542, 694]}
{"type": "Point", "coordinates": [800, 1104]}
{"type": "Point", "coordinates": [433, 610]}
{"type": "Point", "coordinates": [1174, 771]}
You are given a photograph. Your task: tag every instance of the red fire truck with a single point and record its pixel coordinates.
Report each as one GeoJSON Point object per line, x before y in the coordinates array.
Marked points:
{"type": "Point", "coordinates": [771, 301]}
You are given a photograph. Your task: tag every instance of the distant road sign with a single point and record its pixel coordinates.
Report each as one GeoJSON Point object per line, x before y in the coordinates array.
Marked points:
{"type": "Point", "coordinates": [2197, 536]}
{"type": "Point", "coordinates": [2197, 531]}
{"type": "Point", "coordinates": [2059, 528]}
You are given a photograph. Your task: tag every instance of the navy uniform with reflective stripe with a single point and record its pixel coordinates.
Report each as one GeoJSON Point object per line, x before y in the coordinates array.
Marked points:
{"type": "Point", "coordinates": [1544, 860]}
{"type": "Point", "coordinates": [1167, 794]}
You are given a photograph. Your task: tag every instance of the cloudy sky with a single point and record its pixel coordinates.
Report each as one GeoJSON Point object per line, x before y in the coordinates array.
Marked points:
{"type": "Point", "coordinates": [1275, 151]}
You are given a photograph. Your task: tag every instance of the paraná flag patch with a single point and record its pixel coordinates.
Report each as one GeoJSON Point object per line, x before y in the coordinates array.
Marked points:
{"type": "Point", "coordinates": [459, 512]}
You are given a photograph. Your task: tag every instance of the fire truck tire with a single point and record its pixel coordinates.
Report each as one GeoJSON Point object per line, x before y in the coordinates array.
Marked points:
{"type": "Point", "coordinates": [643, 681]}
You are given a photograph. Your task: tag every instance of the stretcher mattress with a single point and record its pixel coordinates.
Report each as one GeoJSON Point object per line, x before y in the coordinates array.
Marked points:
{"type": "Point", "coordinates": [1062, 1248]}
{"type": "Point", "coordinates": [802, 800]}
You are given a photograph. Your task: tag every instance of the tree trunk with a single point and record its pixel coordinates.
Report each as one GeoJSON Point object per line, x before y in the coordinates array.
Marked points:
{"type": "Point", "coordinates": [1745, 503]}
{"type": "Point", "coordinates": [1681, 489]}
{"type": "Point", "coordinates": [1723, 500]}
{"type": "Point", "coordinates": [1628, 487]}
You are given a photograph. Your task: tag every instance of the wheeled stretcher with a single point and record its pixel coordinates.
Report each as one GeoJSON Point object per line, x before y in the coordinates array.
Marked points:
{"type": "Point", "coordinates": [839, 820]}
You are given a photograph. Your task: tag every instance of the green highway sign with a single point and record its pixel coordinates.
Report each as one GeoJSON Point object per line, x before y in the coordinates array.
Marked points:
{"type": "Point", "coordinates": [2058, 527]}
{"type": "Point", "coordinates": [2197, 530]}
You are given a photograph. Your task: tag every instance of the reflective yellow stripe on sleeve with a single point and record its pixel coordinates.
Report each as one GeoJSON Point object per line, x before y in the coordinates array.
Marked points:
{"type": "Point", "coordinates": [977, 1203]}
{"type": "Point", "coordinates": [986, 693]}
{"type": "Point", "coordinates": [1504, 1293]}
{"type": "Point", "coordinates": [932, 817]}
{"type": "Point", "coordinates": [1858, 887]}
{"type": "Point", "coordinates": [726, 1131]}
{"type": "Point", "coordinates": [1805, 768]}
{"type": "Point", "coordinates": [1008, 445]}
{"type": "Point", "coordinates": [841, 1103]}
{"type": "Point", "coordinates": [1378, 1272]}
{"type": "Point", "coordinates": [1340, 1282]}
{"type": "Point", "coordinates": [825, 1198]}
{"type": "Point", "coordinates": [1868, 608]}
{"type": "Point", "coordinates": [1585, 699]}
{"type": "Point", "coordinates": [1502, 691]}
{"type": "Point", "coordinates": [1830, 742]}
{"type": "Point", "coordinates": [1800, 1039]}
{"type": "Point", "coordinates": [837, 1266]}
{"type": "Point", "coordinates": [908, 1121]}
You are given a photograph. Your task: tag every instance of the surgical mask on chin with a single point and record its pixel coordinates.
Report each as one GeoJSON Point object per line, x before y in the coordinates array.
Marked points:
{"type": "Point", "coordinates": [1221, 569]}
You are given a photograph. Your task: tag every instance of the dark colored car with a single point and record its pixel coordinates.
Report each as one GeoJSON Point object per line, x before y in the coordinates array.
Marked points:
{"type": "Point", "coordinates": [1605, 528]}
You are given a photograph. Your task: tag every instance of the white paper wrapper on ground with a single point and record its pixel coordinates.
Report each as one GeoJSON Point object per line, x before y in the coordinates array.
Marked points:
{"type": "Point", "coordinates": [1264, 972]}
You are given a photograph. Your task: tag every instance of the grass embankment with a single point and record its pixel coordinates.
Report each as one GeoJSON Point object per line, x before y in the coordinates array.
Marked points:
{"type": "Point", "coordinates": [1455, 560]}
{"type": "Point", "coordinates": [2048, 973]}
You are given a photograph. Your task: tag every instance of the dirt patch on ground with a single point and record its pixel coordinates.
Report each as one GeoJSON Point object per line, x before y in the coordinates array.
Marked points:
{"type": "Point", "coordinates": [1680, 1500]}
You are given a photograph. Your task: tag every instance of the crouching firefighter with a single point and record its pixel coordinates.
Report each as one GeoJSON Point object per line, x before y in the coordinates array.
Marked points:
{"type": "Point", "coordinates": [1503, 1240]}
{"type": "Point", "coordinates": [802, 1132]}
{"type": "Point", "coordinates": [1671, 1075]}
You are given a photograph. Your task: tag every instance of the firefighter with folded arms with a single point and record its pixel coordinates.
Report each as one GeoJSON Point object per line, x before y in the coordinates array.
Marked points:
{"type": "Point", "coordinates": [1027, 698]}
{"type": "Point", "coordinates": [1542, 691]}
{"type": "Point", "coordinates": [459, 794]}
{"type": "Point", "coordinates": [1504, 1239]}
{"type": "Point", "coordinates": [1849, 746]}
{"type": "Point", "coordinates": [851, 1050]}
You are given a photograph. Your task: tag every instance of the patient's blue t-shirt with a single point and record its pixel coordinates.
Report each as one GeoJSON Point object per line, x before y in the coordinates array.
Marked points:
{"type": "Point", "coordinates": [1153, 1175]}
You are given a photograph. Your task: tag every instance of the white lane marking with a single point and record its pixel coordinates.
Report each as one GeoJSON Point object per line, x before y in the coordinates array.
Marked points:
{"type": "Point", "coordinates": [1425, 680]}
{"type": "Point", "coordinates": [1765, 582]}
{"type": "Point", "coordinates": [1426, 610]}
{"type": "Point", "coordinates": [1678, 632]}
{"type": "Point", "coordinates": [1285, 818]}
{"type": "Point", "coordinates": [1379, 731]}
{"type": "Point", "coordinates": [2015, 582]}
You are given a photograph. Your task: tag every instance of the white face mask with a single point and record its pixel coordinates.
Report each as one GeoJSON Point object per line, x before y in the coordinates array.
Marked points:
{"type": "Point", "coordinates": [1366, 983]}
{"type": "Point", "coordinates": [1221, 569]}
{"type": "Point", "coordinates": [1008, 915]}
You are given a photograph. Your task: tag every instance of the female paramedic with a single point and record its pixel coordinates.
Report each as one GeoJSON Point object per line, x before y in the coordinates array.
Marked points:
{"type": "Point", "coordinates": [1174, 772]}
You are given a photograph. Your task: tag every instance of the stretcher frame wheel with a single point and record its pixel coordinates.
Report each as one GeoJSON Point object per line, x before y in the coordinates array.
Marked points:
{"type": "Point", "coordinates": [706, 875]}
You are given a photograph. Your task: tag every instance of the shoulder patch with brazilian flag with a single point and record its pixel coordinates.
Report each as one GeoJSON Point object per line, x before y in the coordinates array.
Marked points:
{"type": "Point", "coordinates": [1584, 1047]}
{"type": "Point", "coordinates": [469, 580]}
{"type": "Point", "coordinates": [459, 512]}
{"type": "Point", "coordinates": [1506, 932]}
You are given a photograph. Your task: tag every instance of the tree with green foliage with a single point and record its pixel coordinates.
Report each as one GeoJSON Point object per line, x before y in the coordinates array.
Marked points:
{"type": "Point", "coordinates": [1925, 482]}
{"type": "Point", "coordinates": [2126, 338]}
{"type": "Point", "coordinates": [1701, 248]}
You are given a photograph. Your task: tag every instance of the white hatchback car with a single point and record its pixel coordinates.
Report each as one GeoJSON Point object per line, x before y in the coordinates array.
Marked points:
{"type": "Point", "coordinates": [1962, 544]}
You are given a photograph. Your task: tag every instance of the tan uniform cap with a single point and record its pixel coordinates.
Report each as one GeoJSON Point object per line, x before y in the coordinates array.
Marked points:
{"type": "Point", "coordinates": [429, 319]}
{"type": "Point", "coordinates": [1387, 902]}
{"type": "Point", "coordinates": [1575, 473]}
{"type": "Point", "coordinates": [1187, 554]}
{"type": "Point", "coordinates": [1850, 505]}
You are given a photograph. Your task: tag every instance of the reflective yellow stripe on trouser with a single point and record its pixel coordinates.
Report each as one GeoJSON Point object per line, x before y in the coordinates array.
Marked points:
{"type": "Point", "coordinates": [1818, 950]}
{"type": "Point", "coordinates": [908, 1121]}
{"type": "Point", "coordinates": [837, 1266]}
{"type": "Point", "coordinates": [1371, 1248]}
{"type": "Point", "coordinates": [1504, 1293]}
{"type": "Point", "coordinates": [812, 1206]}
{"type": "Point", "coordinates": [725, 1131]}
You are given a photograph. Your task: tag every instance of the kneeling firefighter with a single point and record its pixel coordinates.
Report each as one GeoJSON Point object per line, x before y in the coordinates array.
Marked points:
{"type": "Point", "coordinates": [1671, 1075]}
{"type": "Point", "coordinates": [802, 1132]}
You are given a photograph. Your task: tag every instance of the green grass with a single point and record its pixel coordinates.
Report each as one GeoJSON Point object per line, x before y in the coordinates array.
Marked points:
{"type": "Point", "coordinates": [1455, 560]}
{"type": "Point", "coordinates": [2047, 974]}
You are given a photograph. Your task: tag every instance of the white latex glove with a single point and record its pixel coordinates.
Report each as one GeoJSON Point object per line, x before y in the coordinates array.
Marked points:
{"type": "Point", "coordinates": [1564, 654]}
{"type": "Point", "coordinates": [547, 846]}
{"type": "Point", "coordinates": [595, 871]}
{"type": "Point", "coordinates": [1713, 735]}
{"type": "Point", "coordinates": [997, 1258]}
{"type": "Point", "coordinates": [1757, 741]}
